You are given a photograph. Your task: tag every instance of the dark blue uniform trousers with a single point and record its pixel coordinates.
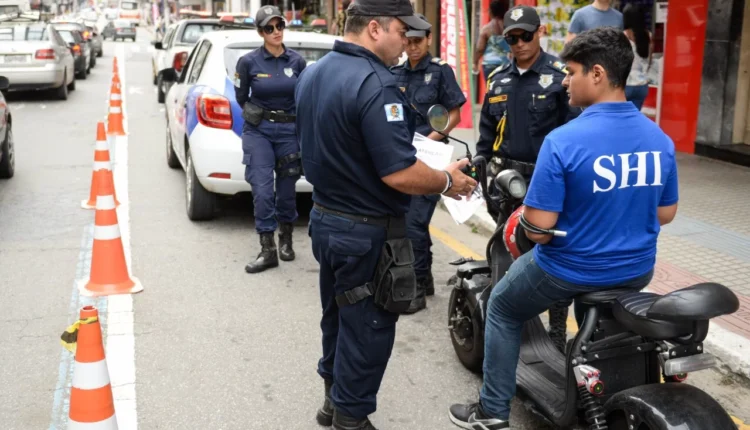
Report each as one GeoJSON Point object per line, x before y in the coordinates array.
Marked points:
{"type": "Point", "coordinates": [358, 338]}
{"type": "Point", "coordinates": [418, 231]}
{"type": "Point", "coordinates": [262, 146]}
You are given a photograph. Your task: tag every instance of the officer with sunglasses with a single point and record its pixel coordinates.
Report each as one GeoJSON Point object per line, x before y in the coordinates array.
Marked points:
{"type": "Point", "coordinates": [426, 80]}
{"type": "Point", "coordinates": [525, 101]}
{"type": "Point", "coordinates": [264, 87]}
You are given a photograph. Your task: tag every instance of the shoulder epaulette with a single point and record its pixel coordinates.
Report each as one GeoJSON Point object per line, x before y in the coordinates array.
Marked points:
{"type": "Point", "coordinates": [498, 70]}
{"type": "Point", "coordinates": [559, 65]}
{"type": "Point", "coordinates": [439, 61]}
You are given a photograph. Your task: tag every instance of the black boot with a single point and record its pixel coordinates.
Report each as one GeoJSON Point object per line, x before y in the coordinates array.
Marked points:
{"type": "Point", "coordinates": [286, 253]}
{"type": "Point", "coordinates": [558, 324]}
{"type": "Point", "coordinates": [420, 301]}
{"type": "Point", "coordinates": [342, 422]}
{"type": "Point", "coordinates": [325, 414]}
{"type": "Point", "coordinates": [268, 256]}
{"type": "Point", "coordinates": [429, 285]}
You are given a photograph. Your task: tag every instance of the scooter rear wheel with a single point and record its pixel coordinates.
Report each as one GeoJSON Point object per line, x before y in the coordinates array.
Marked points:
{"type": "Point", "coordinates": [466, 331]}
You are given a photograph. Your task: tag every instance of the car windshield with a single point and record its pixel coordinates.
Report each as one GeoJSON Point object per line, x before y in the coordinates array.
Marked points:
{"type": "Point", "coordinates": [128, 6]}
{"type": "Point", "coordinates": [67, 36]}
{"type": "Point", "coordinates": [23, 34]}
{"type": "Point", "coordinates": [193, 32]}
{"type": "Point", "coordinates": [233, 54]}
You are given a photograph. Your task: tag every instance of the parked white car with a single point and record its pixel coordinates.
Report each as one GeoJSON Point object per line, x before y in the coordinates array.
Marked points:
{"type": "Point", "coordinates": [178, 38]}
{"type": "Point", "coordinates": [204, 120]}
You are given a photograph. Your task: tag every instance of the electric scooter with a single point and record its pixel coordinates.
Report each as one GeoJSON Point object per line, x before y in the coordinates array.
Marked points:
{"type": "Point", "coordinates": [625, 367]}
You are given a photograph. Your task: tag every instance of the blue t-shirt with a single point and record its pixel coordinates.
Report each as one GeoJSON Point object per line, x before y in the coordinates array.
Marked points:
{"type": "Point", "coordinates": [589, 17]}
{"type": "Point", "coordinates": [605, 173]}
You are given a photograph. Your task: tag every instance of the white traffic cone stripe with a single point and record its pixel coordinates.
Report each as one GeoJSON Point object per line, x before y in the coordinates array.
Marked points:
{"type": "Point", "coordinates": [108, 424]}
{"type": "Point", "coordinates": [106, 232]}
{"type": "Point", "coordinates": [105, 203]}
{"type": "Point", "coordinates": [115, 109]}
{"type": "Point", "coordinates": [101, 145]}
{"type": "Point", "coordinates": [90, 376]}
{"type": "Point", "coordinates": [102, 165]}
{"type": "Point", "coordinates": [115, 97]}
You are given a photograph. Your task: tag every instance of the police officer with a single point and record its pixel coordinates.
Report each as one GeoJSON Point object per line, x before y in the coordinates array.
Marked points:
{"type": "Point", "coordinates": [525, 101]}
{"type": "Point", "coordinates": [264, 86]}
{"type": "Point", "coordinates": [426, 80]}
{"type": "Point", "coordinates": [363, 167]}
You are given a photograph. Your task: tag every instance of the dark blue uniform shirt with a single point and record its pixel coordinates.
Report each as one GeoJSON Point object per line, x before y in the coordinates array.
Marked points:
{"type": "Point", "coordinates": [431, 82]}
{"type": "Point", "coordinates": [354, 127]}
{"type": "Point", "coordinates": [534, 103]}
{"type": "Point", "coordinates": [268, 81]}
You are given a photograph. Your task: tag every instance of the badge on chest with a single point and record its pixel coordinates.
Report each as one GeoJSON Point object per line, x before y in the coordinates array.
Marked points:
{"type": "Point", "coordinates": [545, 81]}
{"type": "Point", "coordinates": [288, 72]}
{"type": "Point", "coordinates": [427, 78]}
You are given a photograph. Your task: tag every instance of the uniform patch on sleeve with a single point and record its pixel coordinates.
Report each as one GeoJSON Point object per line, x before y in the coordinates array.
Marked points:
{"type": "Point", "coordinates": [439, 61]}
{"type": "Point", "coordinates": [237, 80]}
{"type": "Point", "coordinates": [498, 99]}
{"type": "Point", "coordinates": [559, 65]}
{"type": "Point", "coordinates": [394, 112]}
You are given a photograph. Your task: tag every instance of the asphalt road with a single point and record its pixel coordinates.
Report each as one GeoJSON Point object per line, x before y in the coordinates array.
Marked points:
{"type": "Point", "coordinates": [215, 348]}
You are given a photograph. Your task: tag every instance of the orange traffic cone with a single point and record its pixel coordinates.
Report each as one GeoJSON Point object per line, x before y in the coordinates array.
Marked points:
{"type": "Point", "coordinates": [115, 93]}
{"type": "Point", "coordinates": [102, 167]}
{"type": "Point", "coordinates": [114, 119]}
{"type": "Point", "coordinates": [109, 271]}
{"type": "Point", "coordinates": [114, 66]}
{"type": "Point", "coordinates": [92, 405]}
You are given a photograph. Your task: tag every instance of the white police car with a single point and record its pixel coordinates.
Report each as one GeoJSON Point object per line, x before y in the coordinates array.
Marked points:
{"type": "Point", "coordinates": [204, 120]}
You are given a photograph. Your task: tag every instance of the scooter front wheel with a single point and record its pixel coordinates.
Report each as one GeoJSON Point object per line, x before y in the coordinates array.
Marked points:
{"type": "Point", "coordinates": [467, 334]}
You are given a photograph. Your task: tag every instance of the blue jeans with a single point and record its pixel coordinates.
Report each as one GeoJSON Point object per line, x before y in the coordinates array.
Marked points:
{"type": "Point", "coordinates": [636, 94]}
{"type": "Point", "coordinates": [524, 292]}
{"type": "Point", "coordinates": [262, 146]}
{"type": "Point", "coordinates": [358, 338]}
{"type": "Point", "coordinates": [418, 219]}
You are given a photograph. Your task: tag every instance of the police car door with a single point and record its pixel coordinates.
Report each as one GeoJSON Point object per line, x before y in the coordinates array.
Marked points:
{"type": "Point", "coordinates": [177, 97]}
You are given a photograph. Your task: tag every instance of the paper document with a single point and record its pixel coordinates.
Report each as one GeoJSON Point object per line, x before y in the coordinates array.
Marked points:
{"type": "Point", "coordinates": [462, 210]}
{"type": "Point", "coordinates": [433, 153]}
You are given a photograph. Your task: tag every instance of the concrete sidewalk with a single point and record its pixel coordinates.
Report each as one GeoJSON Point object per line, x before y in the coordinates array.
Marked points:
{"type": "Point", "coordinates": [709, 241]}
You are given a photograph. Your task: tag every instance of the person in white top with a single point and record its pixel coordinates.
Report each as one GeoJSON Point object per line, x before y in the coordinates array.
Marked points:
{"type": "Point", "coordinates": [634, 21]}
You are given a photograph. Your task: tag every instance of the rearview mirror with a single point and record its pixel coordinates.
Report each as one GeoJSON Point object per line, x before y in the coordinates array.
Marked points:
{"type": "Point", "coordinates": [438, 117]}
{"type": "Point", "coordinates": [4, 83]}
{"type": "Point", "coordinates": [158, 45]}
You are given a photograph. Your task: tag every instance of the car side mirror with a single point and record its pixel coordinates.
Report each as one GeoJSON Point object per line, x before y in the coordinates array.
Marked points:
{"type": "Point", "coordinates": [4, 83]}
{"type": "Point", "coordinates": [169, 75]}
{"type": "Point", "coordinates": [158, 45]}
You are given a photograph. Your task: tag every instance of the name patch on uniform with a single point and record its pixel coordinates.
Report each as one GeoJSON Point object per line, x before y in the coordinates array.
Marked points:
{"type": "Point", "coordinates": [545, 80]}
{"type": "Point", "coordinates": [394, 112]}
{"type": "Point", "coordinates": [288, 72]}
{"type": "Point", "coordinates": [498, 99]}
{"type": "Point", "coordinates": [263, 75]}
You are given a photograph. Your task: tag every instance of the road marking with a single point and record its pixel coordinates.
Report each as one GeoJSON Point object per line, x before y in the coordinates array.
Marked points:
{"type": "Point", "coordinates": [464, 251]}
{"type": "Point", "coordinates": [135, 90]}
{"type": "Point", "coordinates": [120, 346]}
{"type": "Point", "coordinates": [135, 48]}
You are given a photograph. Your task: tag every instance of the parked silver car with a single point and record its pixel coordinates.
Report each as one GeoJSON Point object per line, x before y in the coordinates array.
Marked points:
{"type": "Point", "coordinates": [33, 56]}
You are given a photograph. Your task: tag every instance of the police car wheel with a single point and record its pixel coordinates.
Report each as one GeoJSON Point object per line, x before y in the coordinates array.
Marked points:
{"type": "Point", "coordinates": [172, 160]}
{"type": "Point", "coordinates": [466, 332]}
{"type": "Point", "coordinates": [200, 203]}
{"type": "Point", "coordinates": [8, 163]}
{"type": "Point", "coordinates": [160, 94]}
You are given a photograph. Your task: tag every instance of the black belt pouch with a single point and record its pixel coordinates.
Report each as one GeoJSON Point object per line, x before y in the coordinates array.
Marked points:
{"type": "Point", "coordinates": [252, 114]}
{"type": "Point", "coordinates": [395, 283]}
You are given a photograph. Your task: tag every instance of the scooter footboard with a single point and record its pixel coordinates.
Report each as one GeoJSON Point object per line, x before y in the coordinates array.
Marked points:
{"type": "Point", "coordinates": [667, 406]}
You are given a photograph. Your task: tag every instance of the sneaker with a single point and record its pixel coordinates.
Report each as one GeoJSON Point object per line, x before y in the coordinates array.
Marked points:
{"type": "Point", "coordinates": [472, 417]}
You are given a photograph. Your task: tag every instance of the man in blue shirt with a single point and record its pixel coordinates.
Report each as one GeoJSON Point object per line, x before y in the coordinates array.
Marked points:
{"type": "Point", "coordinates": [355, 130]}
{"type": "Point", "coordinates": [598, 14]}
{"type": "Point", "coordinates": [609, 179]}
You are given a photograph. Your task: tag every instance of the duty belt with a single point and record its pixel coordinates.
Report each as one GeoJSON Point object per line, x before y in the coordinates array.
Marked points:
{"type": "Point", "coordinates": [521, 167]}
{"type": "Point", "coordinates": [387, 222]}
{"type": "Point", "coordinates": [280, 117]}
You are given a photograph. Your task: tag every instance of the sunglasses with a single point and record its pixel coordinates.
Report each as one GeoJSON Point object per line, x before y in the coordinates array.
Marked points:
{"type": "Point", "coordinates": [268, 29]}
{"type": "Point", "coordinates": [526, 36]}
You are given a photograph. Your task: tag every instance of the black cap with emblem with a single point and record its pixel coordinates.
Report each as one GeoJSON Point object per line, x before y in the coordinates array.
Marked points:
{"type": "Point", "coordinates": [521, 17]}
{"type": "Point", "coordinates": [419, 33]}
{"type": "Point", "coordinates": [401, 9]}
{"type": "Point", "coordinates": [267, 13]}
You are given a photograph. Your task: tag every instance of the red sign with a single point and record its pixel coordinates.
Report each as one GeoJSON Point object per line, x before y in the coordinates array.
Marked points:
{"type": "Point", "coordinates": [454, 50]}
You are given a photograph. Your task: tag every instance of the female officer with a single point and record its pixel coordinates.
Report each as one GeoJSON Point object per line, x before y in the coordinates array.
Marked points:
{"type": "Point", "coordinates": [426, 81]}
{"type": "Point", "coordinates": [264, 87]}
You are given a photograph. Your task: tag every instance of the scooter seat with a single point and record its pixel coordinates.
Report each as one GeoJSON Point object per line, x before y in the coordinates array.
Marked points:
{"type": "Point", "coordinates": [632, 311]}
{"type": "Point", "coordinates": [603, 296]}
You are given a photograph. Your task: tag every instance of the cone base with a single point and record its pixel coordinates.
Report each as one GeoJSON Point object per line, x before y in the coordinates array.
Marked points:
{"type": "Point", "coordinates": [89, 289]}
{"type": "Point", "coordinates": [87, 204]}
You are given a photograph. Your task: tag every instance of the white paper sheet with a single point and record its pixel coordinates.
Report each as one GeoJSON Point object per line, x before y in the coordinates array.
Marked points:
{"type": "Point", "coordinates": [433, 153]}
{"type": "Point", "coordinates": [462, 210]}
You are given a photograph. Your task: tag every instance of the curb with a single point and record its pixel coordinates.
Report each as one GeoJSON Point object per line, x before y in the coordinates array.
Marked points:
{"type": "Point", "coordinates": [731, 350]}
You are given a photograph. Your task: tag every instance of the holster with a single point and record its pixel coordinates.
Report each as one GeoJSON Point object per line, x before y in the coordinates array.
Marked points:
{"type": "Point", "coordinates": [395, 283]}
{"type": "Point", "coordinates": [252, 114]}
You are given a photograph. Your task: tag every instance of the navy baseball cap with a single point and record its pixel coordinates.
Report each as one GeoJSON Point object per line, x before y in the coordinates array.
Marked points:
{"type": "Point", "coordinates": [419, 33]}
{"type": "Point", "coordinates": [267, 13]}
{"type": "Point", "coordinates": [401, 9]}
{"type": "Point", "coordinates": [523, 17]}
